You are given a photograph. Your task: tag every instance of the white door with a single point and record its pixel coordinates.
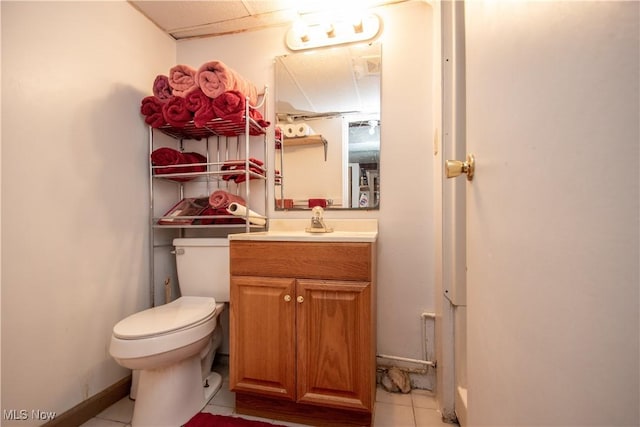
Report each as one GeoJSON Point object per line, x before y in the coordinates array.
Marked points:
{"type": "Point", "coordinates": [553, 212]}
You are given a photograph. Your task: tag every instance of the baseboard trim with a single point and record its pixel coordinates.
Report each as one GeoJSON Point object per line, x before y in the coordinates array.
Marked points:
{"type": "Point", "coordinates": [91, 407]}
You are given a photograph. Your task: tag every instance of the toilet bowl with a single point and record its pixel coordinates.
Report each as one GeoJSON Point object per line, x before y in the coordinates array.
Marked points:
{"type": "Point", "coordinates": [170, 348]}
{"type": "Point", "coordinates": [155, 337]}
{"type": "Point", "coordinates": [166, 345]}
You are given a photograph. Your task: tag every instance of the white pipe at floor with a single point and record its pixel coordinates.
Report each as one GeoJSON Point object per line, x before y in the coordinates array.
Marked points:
{"type": "Point", "coordinates": [425, 315]}
{"type": "Point", "coordinates": [432, 316]}
{"type": "Point", "coordinates": [405, 359]}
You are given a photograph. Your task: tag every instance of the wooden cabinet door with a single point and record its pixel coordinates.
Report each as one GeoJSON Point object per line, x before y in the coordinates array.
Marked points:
{"type": "Point", "coordinates": [334, 362]}
{"type": "Point", "coordinates": [262, 338]}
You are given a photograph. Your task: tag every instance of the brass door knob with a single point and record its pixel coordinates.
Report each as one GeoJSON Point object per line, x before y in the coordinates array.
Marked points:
{"type": "Point", "coordinates": [287, 298]}
{"type": "Point", "coordinates": [300, 298]}
{"type": "Point", "coordinates": [456, 167]}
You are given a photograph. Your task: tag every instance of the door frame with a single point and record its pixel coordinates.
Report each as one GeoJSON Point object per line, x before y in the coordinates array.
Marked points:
{"type": "Point", "coordinates": [450, 208]}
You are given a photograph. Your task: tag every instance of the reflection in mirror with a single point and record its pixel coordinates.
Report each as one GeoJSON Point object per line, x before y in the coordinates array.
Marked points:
{"type": "Point", "coordinates": [364, 163]}
{"type": "Point", "coordinates": [328, 128]}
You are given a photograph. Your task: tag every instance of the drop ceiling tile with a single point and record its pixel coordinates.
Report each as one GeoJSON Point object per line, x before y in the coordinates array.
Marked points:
{"type": "Point", "coordinates": [264, 6]}
{"type": "Point", "coordinates": [172, 15]}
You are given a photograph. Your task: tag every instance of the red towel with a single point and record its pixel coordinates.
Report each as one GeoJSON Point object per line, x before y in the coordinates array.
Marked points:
{"type": "Point", "coordinates": [243, 177]}
{"type": "Point", "coordinates": [200, 105]}
{"type": "Point", "coordinates": [257, 116]}
{"type": "Point", "coordinates": [215, 78]}
{"type": "Point", "coordinates": [176, 113]}
{"type": "Point", "coordinates": [190, 158]}
{"type": "Point", "coordinates": [218, 212]}
{"type": "Point", "coordinates": [161, 88]}
{"type": "Point", "coordinates": [230, 106]}
{"type": "Point", "coordinates": [182, 79]}
{"type": "Point", "coordinates": [317, 202]}
{"type": "Point", "coordinates": [205, 419]}
{"type": "Point", "coordinates": [238, 166]}
{"type": "Point", "coordinates": [186, 207]}
{"type": "Point", "coordinates": [284, 203]}
{"type": "Point", "coordinates": [151, 108]}
{"type": "Point", "coordinates": [221, 199]}
{"type": "Point", "coordinates": [165, 156]}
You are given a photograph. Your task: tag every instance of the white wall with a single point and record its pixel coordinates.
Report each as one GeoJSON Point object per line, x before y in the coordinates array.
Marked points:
{"type": "Point", "coordinates": [74, 193]}
{"type": "Point", "coordinates": [306, 171]}
{"type": "Point", "coordinates": [405, 248]}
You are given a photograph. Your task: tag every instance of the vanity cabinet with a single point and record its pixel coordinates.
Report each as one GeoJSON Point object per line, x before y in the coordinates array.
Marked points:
{"type": "Point", "coordinates": [303, 330]}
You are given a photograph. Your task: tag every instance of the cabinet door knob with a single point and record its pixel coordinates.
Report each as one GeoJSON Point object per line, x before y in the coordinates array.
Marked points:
{"type": "Point", "coordinates": [300, 299]}
{"type": "Point", "coordinates": [287, 298]}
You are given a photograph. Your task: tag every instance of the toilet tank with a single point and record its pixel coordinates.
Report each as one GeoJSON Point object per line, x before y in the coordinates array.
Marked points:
{"type": "Point", "coordinates": [203, 267]}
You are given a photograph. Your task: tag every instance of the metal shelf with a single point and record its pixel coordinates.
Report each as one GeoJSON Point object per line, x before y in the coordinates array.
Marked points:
{"type": "Point", "coordinates": [227, 145]}
{"type": "Point", "coordinates": [213, 127]}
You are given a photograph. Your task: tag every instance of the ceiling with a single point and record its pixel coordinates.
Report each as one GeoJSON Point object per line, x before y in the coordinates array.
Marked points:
{"type": "Point", "coordinates": [188, 19]}
{"type": "Point", "coordinates": [329, 81]}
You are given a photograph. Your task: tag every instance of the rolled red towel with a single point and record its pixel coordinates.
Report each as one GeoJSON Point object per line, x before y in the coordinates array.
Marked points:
{"type": "Point", "coordinates": [230, 106]}
{"type": "Point", "coordinates": [176, 113]}
{"type": "Point", "coordinates": [221, 199]}
{"type": "Point", "coordinates": [151, 108]}
{"type": "Point", "coordinates": [215, 78]}
{"type": "Point", "coordinates": [182, 79]}
{"type": "Point", "coordinates": [200, 105]}
{"type": "Point", "coordinates": [161, 88]}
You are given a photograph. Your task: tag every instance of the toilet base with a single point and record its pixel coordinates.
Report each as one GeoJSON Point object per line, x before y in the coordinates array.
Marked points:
{"type": "Point", "coordinates": [170, 396]}
{"type": "Point", "coordinates": [206, 364]}
{"type": "Point", "coordinates": [214, 381]}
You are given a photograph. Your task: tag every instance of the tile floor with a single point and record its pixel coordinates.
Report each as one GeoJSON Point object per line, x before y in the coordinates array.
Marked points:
{"type": "Point", "coordinates": [417, 409]}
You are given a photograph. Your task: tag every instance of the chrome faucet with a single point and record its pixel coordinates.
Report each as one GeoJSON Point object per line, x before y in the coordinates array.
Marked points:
{"type": "Point", "coordinates": [317, 222]}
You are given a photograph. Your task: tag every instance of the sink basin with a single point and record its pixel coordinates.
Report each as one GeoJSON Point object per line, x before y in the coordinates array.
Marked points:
{"type": "Point", "coordinates": [293, 230]}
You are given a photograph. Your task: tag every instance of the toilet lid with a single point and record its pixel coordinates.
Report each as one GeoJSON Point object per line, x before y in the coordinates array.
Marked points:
{"type": "Point", "coordinates": [179, 314]}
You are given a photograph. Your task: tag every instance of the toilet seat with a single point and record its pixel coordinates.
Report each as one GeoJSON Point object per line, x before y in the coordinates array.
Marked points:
{"type": "Point", "coordinates": [183, 313]}
{"type": "Point", "coordinates": [180, 323]}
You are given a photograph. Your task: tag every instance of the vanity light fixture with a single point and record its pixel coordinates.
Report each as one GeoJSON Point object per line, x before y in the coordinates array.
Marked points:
{"type": "Point", "coordinates": [299, 30]}
{"type": "Point", "coordinates": [331, 31]}
{"type": "Point", "coordinates": [357, 25]}
{"type": "Point", "coordinates": [302, 36]}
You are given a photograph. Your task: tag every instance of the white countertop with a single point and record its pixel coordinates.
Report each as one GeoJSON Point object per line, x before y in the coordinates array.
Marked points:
{"type": "Point", "coordinates": [293, 230]}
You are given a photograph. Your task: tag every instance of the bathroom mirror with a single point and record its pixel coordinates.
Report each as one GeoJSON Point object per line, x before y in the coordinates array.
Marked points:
{"type": "Point", "coordinates": [327, 106]}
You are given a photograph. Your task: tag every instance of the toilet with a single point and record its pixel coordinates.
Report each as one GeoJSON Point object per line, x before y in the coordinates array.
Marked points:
{"type": "Point", "coordinates": [170, 348]}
